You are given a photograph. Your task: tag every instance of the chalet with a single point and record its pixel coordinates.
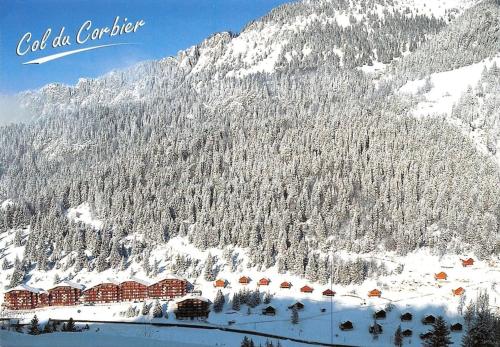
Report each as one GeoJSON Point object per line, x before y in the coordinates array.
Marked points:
{"type": "Point", "coordinates": [430, 319]}
{"type": "Point", "coordinates": [328, 292]}
{"type": "Point", "coordinates": [407, 333]}
{"type": "Point", "coordinates": [286, 285]}
{"type": "Point", "coordinates": [374, 327]}
{"type": "Point", "coordinates": [467, 262]}
{"type": "Point", "coordinates": [381, 314]}
{"type": "Point", "coordinates": [306, 289]}
{"type": "Point", "coordinates": [244, 280]}
{"type": "Point", "coordinates": [264, 282]}
{"type": "Point", "coordinates": [24, 297]}
{"type": "Point", "coordinates": [168, 288]}
{"type": "Point", "coordinates": [134, 289]}
{"type": "Point", "coordinates": [440, 276]}
{"type": "Point", "coordinates": [298, 305]}
{"type": "Point", "coordinates": [426, 335]}
{"type": "Point", "coordinates": [374, 293]}
{"type": "Point", "coordinates": [406, 317]}
{"type": "Point", "coordinates": [347, 325]}
{"type": "Point", "coordinates": [102, 293]}
{"type": "Point", "coordinates": [269, 311]}
{"type": "Point", "coordinates": [220, 283]}
{"type": "Point", "coordinates": [458, 292]}
{"type": "Point", "coordinates": [65, 293]}
{"type": "Point", "coordinates": [192, 308]}
{"type": "Point", "coordinates": [456, 327]}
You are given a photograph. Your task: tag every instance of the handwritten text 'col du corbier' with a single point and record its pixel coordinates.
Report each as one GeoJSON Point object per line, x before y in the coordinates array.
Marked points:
{"type": "Point", "coordinates": [84, 34]}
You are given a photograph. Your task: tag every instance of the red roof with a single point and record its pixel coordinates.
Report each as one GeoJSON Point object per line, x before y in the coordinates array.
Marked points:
{"type": "Point", "coordinates": [459, 291]}
{"type": "Point", "coordinates": [244, 279]}
{"type": "Point", "coordinates": [467, 262]}
{"type": "Point", "coordinates": [220, 283]}
{"type": "Point", "coordinates": [285, 285]}
{"type": "Point", "coordinates": [328, 292]}
{"type": "Point", "coordinates": [374, 292]}
{"type": "Point", "coordinates": [306, 289]}
{"type": "Point", "coordinates": [441, 276]}
{"type": "Point", "coordinates": [264, 281]}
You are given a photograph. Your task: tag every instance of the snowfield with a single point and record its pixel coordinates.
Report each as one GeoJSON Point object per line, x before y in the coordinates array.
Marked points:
{"type": "Point", "coordinates": [414, 290]}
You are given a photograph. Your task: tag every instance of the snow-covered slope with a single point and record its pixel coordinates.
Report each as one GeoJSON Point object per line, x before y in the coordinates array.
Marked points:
{"type": "Point", "coordinates": [440, 94]}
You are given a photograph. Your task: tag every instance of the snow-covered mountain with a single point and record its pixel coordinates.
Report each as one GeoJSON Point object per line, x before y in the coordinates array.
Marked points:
{"type": "Point", "coordinates": [324, 134]}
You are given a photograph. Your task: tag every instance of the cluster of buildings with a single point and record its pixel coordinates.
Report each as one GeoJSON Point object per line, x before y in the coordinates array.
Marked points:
{"type": "Point", "coordinates": [67, 293]}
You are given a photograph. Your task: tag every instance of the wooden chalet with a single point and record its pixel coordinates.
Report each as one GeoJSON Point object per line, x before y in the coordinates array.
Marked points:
{"type": "Point", "coordinates": [426, 335]}
{"type": "Point", "coordinates": [458, 292]}
{"type": "Point", "coordinates": [220, 283]}
{"type": "Point", "coordinates": [306, 289]}
{"type": "Point", "coordinates": [134, 290]}
{"type": "Point", "coordinates": [24, 297]}
{"type": "Point", "coordinates": [442, 276]}
{"type": "Point", "coordinates": [168, 288]}
{"type": "Point", "coordinates": [269, 311]}
{"type": "Point", "coordinates": [374, 293]}
{"type": "Point", "coordinates": [467, 262]}
{"type": "Point", "coordinates": [192, 308]}
{"type": "Point", "coordinates": [456, 327]}
{"type": "Point", "coordinates": [406, 317]}
{"type": "Point", "coordinates": [328, 292]}
{"type": "Point", "coordinates": [65, 293]}
{"type": "Point", "coordinates": [372, 327]}
{"type": "Point", "coordinates": [264, 281]}
{"type": "Point", "coordinates": [380, 314]}
{"type": "Point", "coordinates": [244, 280]}
{"type": "Point", "coordinates": [286, 285]}
{"type": "Point", "coordinates": [407, 333]}
{"type": "Point", "coordinates": [430, 319]}
{"type": "Point", "coordinates": [102, 293]}
{"type": "Point", "coordinates": [347, 325]}
{"type": "Point", "coordinates": [298, 305]}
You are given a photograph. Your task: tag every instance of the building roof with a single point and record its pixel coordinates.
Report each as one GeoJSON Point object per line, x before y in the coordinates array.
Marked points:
{"type": "Point", "coordinates": [194, 297]}
{"type": "Point", "coordinates": [69, 284]}
{"type": "Point", "coordinates": [138, 280]}
{"type": "Point", "coordinates": [27, 288]}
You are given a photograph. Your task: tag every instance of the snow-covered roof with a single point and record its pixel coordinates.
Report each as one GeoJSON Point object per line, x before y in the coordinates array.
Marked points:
{"type": "Point", "coordinates": [138, 280]}
{"type": "Point", "coordinates": [28, 288]}
{"type": "Point", "coordinates": [70, 284]}
{"type": "Point", "coordinates": [195, 297]}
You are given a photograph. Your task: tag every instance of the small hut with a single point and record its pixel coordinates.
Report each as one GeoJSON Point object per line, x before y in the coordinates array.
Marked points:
{"type": "Point", "coordinates": [307, 289]}
{"type": "Point", "coordinates": [467, 262]}
{"type": "Point", "coordinates": [374, 327]}
{"type": "Point", "coordinates": [244, 280]}
{"type": "Point", "coordinates": [269, 311]}
{"type": "Point", "coordinates": [264, 281]}
{"type": "Point", "coordinates": [347, 325]}
{"type": "Point", "coordinates": [458, 292]}
{"type": "Point", "coordinates": [407, 333]}
{"type": "Point", "coordinates": [406, 317]}
{"type": "Point", "coordinates": [441, 276]}
{"type": "Point", "coordinates": [374, 293]}
{"type": "Point", "coordinates": [286, 285]}
{"type": "Point", "coordinates": [298, 305]}
{"type": "Point", "coordinates": [220, 283]}
{"type": "Point", "coordinates": [328, 292]}
{"type": "Point", "coordinates": [430, 319]}
{"type": "Point", "coordinates": [456, 327]}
